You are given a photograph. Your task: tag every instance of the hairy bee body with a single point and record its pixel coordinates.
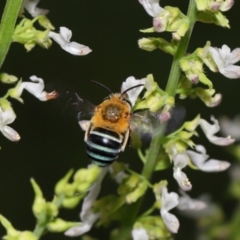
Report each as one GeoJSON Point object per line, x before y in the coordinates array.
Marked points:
{"type": "Point", "coordinates": [108, 130]}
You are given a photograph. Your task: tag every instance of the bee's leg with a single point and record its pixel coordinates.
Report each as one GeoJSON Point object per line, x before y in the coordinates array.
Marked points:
{"type": "Point", "coordinates": [125, 140]}
{"type": "Point", "coordinates": [87, 131]}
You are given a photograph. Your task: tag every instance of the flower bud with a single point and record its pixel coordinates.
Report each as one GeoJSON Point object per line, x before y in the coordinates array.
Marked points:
{"type": "Point", "coordinates": [59, 225]}
{"type": "Point", "coordinates": [44, 22]}
{"type": "Point", "coordinates": [6, 78]}
{"type": "Point", "coordinates": [62, 183]}
{"type": "Point", "coordinates": [192, 125]}
{"type": "Point", "coordinates": [72, 202]}
{"type": "Point", "coordinates": [27, 235]}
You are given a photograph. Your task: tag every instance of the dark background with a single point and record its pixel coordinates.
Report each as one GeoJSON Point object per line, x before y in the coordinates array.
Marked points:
{"type": "Point", "coordinates": [51, 143]}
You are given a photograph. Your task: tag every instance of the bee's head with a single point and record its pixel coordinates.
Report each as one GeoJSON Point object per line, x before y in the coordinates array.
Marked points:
{"type": "Point", "coordinates": [122, 96]}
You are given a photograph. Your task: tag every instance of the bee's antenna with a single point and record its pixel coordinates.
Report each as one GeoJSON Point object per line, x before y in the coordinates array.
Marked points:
{"type": "Point", "coordinates": [100, 84]}
{"type": "Point", "coordinates": [139, 85]}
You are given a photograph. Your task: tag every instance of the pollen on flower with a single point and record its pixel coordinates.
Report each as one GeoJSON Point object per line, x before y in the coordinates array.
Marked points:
{"type": "Point", "coordinates": [186, 183]}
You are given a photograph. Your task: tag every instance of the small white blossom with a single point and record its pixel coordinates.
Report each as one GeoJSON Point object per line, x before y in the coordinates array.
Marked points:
{"type": "Point", "coordinates": [139, 234]}
{"type": "Point", "coordinates": [31, 7]}
{"type": "Point", "coordinates": [200, 157]}
{"type": "Point", "coordinates": [169, 201]}
{"type": "Point", "coordinates": [209, 130]}
{"type": "Point", "coordinates": [120, 176]}
{"type": "Point", "coordinates": [87, 216]}
{"type": "Point", "coordinates": [187, 203]}
{"type": "Point", "coordinates": [35, 88]}
{"type": "Point", "coordinates": [225, 60]}
{"type": "Point", "coordinates": [63, 39]}
{"type": "Point", "coordinates": [152, 7]}
{"type": "Point", "coordinates": [134, 93]}
{"type": "Point", "coordinates": [180, 161]}
{"type": "Point", "coordinates": [8, 116]}
{"type": "Point", "coordinates": [230, 127]}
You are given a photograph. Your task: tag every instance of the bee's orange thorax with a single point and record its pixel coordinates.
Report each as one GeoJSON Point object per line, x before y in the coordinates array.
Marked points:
{"type": "Point", "coordinates": [113, 114]}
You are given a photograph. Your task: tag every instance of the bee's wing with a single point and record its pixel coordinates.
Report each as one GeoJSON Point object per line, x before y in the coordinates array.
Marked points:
{"type": "Point", "coordinates": [144, 124]}
{"type": "Point", "coordinates": [70, 103]}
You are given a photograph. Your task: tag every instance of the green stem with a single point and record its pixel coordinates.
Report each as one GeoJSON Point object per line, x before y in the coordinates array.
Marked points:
{"type": "Point", "coordinates": [155, 146]}
{"type": "Point", "coordinates": [7, 26]}
{"type": "Point", "coordinates": [181, 51]}
{"type": "Point", "coordinates": [132, 210]}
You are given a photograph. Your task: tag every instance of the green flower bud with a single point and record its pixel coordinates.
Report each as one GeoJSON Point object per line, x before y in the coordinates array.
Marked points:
{"type": "Point", "coordinates": [192, 125]}
{"type": "Point", "coordinates": [137, 193]}
{"type": "Point", "coordinates": [72, 202]}
{"type": "Point", "coordinates": [150, 44]}
{"type": "Point", "coordinates": [185, 135]}
{"type": "Point", "coordinates": [60, 225]}
{"type": "Point", "coordinates": [14, 93]}
{"type": "Point", "coordinates": [42, 210]}
{"type": "Point", "coordinates": [27, 235]}
{"type": "Point", "coordinates": [5, 104]}
{"type": "Point", "coordinates": [39, 205]}
{"type": "Point", "coordinates": [62, 183]}
{"type": "Point", "coordinates": [6, 78]}
{"type": "Point", "coordinates": [87, 175]}
{"type": "Point", "coordinates": [44, 22]}
{"type": "Point", "coordinates": [11, 231]}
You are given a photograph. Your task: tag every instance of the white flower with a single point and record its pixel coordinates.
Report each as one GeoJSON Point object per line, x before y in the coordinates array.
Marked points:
{"type": "Point", "coordinates": [225, 59]}
{"type": "Point", "coordinates": [230, 127]}
{"type": "Point", "coordinates": [87, 216]}
{"type": "Point", "coordinates": [152, 7]}
{"type": "Point", "coordinates": [120, 176]}
{"type": "Point", "coordinates": [210, 130]}
{"type": "Point", "coordinates": [169, 201]}
{"type": "Point", "coordinates": [180, 161]}
{"type": "Point", "coordinates": [31, 7]}
{"type": "Point", "coordinates": [35, 89]}
{"type": "Point", "coordinates": [8, 116]}
{"type": "Point", "coordinates": [188, 203]}
{"type": "Point", "coordinates": [199, 159]}
{"type": "Point", "coordinates": [63, 39]}
{"type": "Point", "coordinates": [139, 234]}
{"type": "Point", "coordinates": [131, 82]}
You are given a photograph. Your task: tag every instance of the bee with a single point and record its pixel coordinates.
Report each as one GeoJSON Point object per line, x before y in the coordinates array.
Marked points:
{"type": "Point", "coordinates": [108, 126]}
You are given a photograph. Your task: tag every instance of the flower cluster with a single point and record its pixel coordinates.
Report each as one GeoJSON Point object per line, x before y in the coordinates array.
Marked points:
{"type": "Point", "coordinates": [25, 32]}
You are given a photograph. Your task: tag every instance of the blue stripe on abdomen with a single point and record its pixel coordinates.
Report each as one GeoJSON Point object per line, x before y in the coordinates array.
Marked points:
{"type": "Point", "coordinates": [103, 146]}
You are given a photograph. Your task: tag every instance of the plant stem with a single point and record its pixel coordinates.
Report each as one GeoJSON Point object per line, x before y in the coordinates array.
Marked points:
{"type": "Point", "coordinates": [7, 26]}
{"type": "Point", "coordinates": [181, 51]}
{"type": "Point", "coordinates": [147, 171]}
{"type": "Point", "coordinates": [155, 146]}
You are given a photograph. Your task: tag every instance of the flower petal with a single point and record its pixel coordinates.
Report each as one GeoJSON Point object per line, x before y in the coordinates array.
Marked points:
{"type": "Point", "coordinates": [63, 39]}
{"type": "Point", "coordinates": [31, 7]}
{"type": "Point", "coordinates": [169, 200]}
{"type": "Point", "coordinates": [134, 93]}
{"type": "Point", "coordinates": [231, 71]}
{"type": "Point", "coordinates": [35, 89]}
{"type": "Point", "coordinates": [230, 127]}
{"type": "Point", "coordinates": [188, 203]}
{"type": "Point", "coordinates": [87, 216]}
{"type": "Point", "coordinates": [210, 130]}
{"type": "Point", "coordinates": [76, 49]}
{"type": "Point", "coordinates": [152, 7]}
{"type": "Point", "coordinates": [180, 161]}
{"type": "Point", "coordinates": [139, 234]}
{"type": "Point", "coordinates": [10, 133]}
{"type": "Point", "coordinates": [212, 165]}
{"type": "Point", "coordinates": [170, 221]}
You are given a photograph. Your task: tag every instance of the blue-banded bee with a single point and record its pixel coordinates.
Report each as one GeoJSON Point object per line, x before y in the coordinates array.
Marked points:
{"type": "Point", "coordinates": [108, 126]}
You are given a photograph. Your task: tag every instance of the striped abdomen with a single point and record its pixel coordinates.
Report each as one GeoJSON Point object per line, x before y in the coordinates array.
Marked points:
{"type": "Point", "coordinates": [103, 146]}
